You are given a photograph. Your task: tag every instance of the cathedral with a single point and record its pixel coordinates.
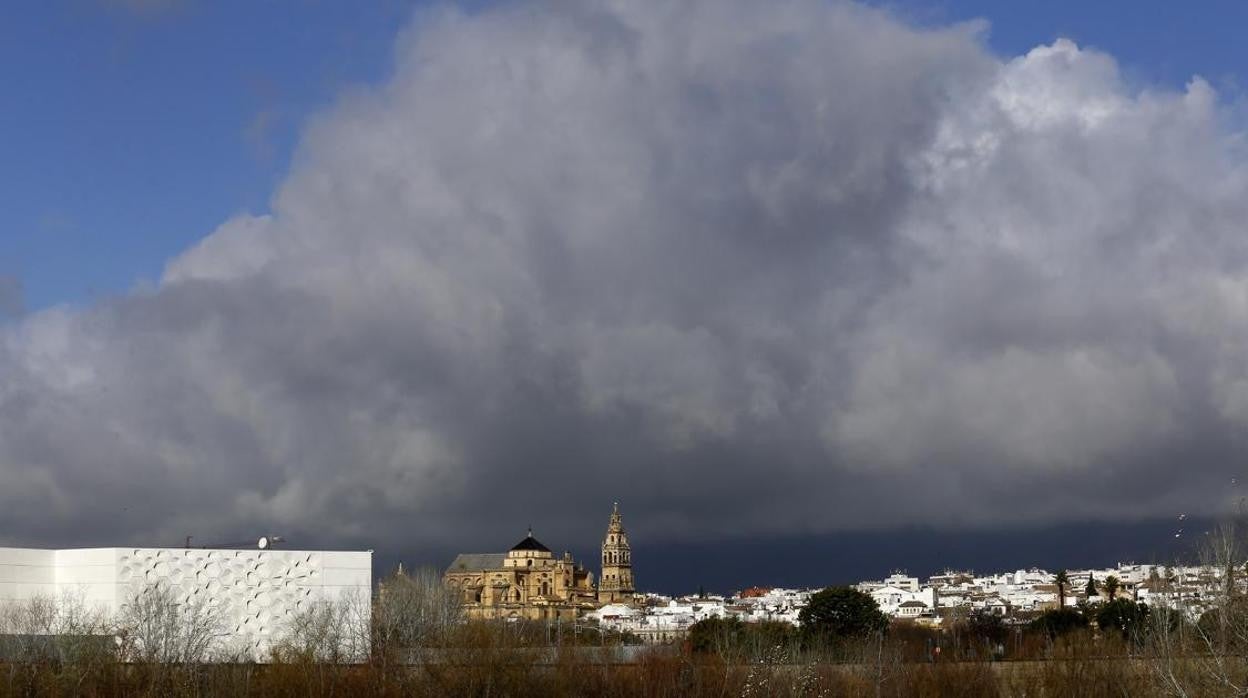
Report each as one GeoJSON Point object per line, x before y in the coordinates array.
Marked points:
{"type": "Point", "coordinates": [530, 582]}
{"type": "Point", "coordinates": [616, 583]}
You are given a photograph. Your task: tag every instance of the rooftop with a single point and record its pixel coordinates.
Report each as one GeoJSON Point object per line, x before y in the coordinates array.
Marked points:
{"type": "Point", "coordinates": [530, 543]}
{"type": "Point", "coordinates": [477, 562]}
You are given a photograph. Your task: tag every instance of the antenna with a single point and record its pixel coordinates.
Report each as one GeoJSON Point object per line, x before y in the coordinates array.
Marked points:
{"type": "Point", "coordinates": [264, 543]}
{"type": "Point", "coordinates": [267, 542]}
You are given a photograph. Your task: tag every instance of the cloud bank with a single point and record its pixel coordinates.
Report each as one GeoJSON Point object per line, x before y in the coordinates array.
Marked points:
{"type": "Point", "coordinates": [748, 268]}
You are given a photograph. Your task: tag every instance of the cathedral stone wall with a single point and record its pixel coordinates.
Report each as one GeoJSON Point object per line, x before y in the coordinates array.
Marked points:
{"type": "Point", "coordinates": [530, 582]}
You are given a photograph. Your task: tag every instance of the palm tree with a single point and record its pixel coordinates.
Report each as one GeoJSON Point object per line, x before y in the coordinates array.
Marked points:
{"type": "Point", "coordinates": [1111, 587]}
{"type": "Point", "coordinates": [1062, 580]}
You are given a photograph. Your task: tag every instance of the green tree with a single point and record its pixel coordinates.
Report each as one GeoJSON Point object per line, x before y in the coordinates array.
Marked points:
{"type": "Point", "coordinates": [1062, 580]}
{"type": "Point", "coordinates": [1223, 626]}
{"type": "Point", "coordinates": [984, 627]}
{"type": "Point", "coordinates": [841, 612]}
{"type": "Point", "coordinates": [1112, 585]}
{"type": "Point", "coordinates": [730, 637]}
{"type": "Point", "coordinates": [716, 635]}
{"type": "Point", "coordinates": [1090, 589]}
{"type": "Point", "coordinates": [1123, 615]}
{"type": "Point", "coordinates": [1059, 622]}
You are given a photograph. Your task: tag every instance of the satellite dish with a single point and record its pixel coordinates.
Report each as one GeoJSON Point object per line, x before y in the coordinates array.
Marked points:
{"type": "Point", "coordinates": [263, 543]}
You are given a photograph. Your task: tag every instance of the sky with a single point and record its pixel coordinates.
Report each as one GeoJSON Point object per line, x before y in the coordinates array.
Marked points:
{"type": "Point", "coordinates": [136, 126]}
{"type": "Point", "coordinates": [778, 274]}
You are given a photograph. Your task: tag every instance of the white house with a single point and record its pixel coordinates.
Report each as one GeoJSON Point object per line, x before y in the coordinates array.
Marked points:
{"type": "Point", "coordinates": [891, 600]}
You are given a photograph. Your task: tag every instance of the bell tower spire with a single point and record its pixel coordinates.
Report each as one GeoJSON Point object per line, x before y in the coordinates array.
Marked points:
{"type": "Point", "coordinates": [616, 583]}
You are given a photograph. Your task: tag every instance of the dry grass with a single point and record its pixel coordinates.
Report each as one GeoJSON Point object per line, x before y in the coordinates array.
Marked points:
{"type": "Point", "coordinates": [497, 661]}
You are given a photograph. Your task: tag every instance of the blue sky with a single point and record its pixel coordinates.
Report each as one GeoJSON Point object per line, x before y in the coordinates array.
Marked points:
{"type": "Point", "coordinates": [131, 128]}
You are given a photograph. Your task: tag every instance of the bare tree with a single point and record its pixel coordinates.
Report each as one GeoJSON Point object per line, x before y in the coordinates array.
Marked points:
{"type": "Point", "coordinates": [160, 625]}
{"type": "Point", "coordinates": [1197, 647]}
{"type": "Point", "coordinates": [62, 634]}
{"type": "Point", "coordinates": [328, 632]}
{"type": "Point", "coordinates": [414, 610]}
{"type": "Point", "coordinates": [27, 626]}
{"type": "Point", "coordinates": [320, 638]}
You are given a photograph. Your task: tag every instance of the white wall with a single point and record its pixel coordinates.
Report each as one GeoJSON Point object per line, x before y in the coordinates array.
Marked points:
{"type": "Point", "coordinates": [25, 573]}
{"type": "Point", "coordinates": [257, 591]}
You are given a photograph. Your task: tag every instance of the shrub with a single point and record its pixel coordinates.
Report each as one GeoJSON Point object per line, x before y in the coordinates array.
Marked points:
{"type": "Point", "coordinates": [1059, 622]}
{"type": "Point", "coordinates": [838, 613]}
{"type": "Point", "coordinates": [1127, 617]}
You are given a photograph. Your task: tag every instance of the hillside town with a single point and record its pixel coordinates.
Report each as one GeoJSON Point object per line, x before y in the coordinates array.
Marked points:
{"type": "Point", "coordinates": [530, 582]}
{"type": "Point", "coordinates": [1017, 597]}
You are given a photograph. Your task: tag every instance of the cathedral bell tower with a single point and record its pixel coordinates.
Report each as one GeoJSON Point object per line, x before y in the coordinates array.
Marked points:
{"type": "Point", "coordinates": [616, 583]}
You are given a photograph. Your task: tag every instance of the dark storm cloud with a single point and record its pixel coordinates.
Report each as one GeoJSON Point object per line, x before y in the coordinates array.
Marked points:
{"type": "Point", "coordinates": [750, 269]}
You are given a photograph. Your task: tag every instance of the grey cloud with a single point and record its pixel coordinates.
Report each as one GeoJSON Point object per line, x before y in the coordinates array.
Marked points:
{"type": "Point", "coordinates": [764, 268]}
{"type": "Point", "coordinates": [12, 297]}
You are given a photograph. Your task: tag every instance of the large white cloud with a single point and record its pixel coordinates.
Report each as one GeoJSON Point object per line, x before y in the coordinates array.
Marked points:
{"type": "Point", "coordinates": [745, 266]}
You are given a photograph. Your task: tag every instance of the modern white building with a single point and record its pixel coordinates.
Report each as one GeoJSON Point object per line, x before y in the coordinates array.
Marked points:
{"type": "Point", "coordinates": [253, 592]}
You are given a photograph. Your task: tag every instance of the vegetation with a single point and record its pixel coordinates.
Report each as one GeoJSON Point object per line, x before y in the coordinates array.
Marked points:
{"type": "Point", "coordinates": [416, 643]}
{"type": "Point", "coordinates": [840, 613]}
{"type": "Point", "coordinates": [733, 638]}
{"type": "Point", "coordinates": [984, 629]}
{"type": "Point", "coordinates": [1062, 579]}
{"type": "Point", "coordinates": [1112, 585]}
{"type": "Point", "coordinates": [1128, 618]}
{"type": "Point", "coordinates": [1062, 621]}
